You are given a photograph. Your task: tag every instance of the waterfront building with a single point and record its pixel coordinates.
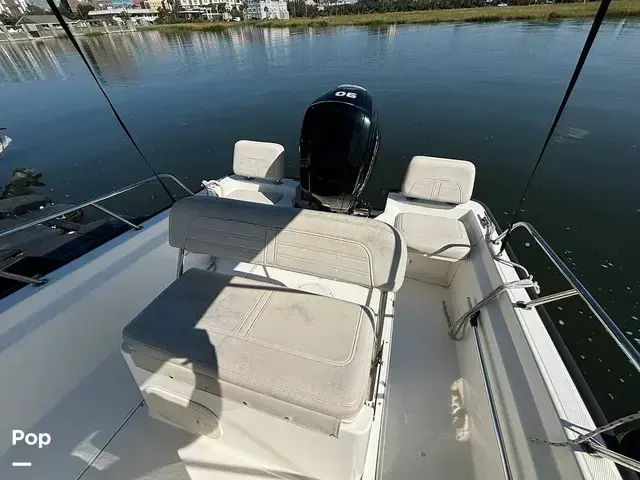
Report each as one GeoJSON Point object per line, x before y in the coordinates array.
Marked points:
{"type": "Point", "coordinates": [218, 6]}
{"type": "Point", "coordinates": [13, 7]}
{"type": "Point", "coordinates": [265, 9]}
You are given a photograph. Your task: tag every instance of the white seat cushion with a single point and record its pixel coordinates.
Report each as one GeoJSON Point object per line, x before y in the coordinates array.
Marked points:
{"type": "Point", "coordinates": [439, 180]}
{"type": "Point", "coordinates": [268, 198]}
{"type": "Point", "coordinates": [311, 352]}
{"type": "Point", "coordinates": [430, 234]}
{"type": "Point", "coordinates": [258, 159]}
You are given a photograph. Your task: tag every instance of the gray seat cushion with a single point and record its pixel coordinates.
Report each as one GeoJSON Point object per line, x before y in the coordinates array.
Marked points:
{"type": "Point", "coordinates": [306, 350]}
{"type": "Point", "coordinates": [439, 237]}
{"type": "Point", "coordinates": [268, 198]}
{"type": "Point", "coordinates": [346, 248]}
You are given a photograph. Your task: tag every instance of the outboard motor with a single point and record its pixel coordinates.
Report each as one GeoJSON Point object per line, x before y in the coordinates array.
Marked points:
{"type": "Point", "coordinates": [338, 148]}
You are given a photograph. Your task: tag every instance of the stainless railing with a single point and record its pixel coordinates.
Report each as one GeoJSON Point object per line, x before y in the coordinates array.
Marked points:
{"type": "Point", "coordinates": [456, 331]}
{"type": "Point", "coordinates": [590, 443]}
{"type": "Point", "coordinates": [577, 289]}
{"type": "Point", "coordinates": [495, 420]}
{"type": "Point", "coordinates": [89, 203]}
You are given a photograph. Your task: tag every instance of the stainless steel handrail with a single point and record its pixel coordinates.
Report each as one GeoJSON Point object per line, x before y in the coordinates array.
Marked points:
{"type": "Point", "coordinates": [458, 329]}
{"type": "Point", "coordinates": [493, 410]}
{"type": "Point", "coordinates": [89, 203]}
{"type": "Point", "coordinates": [547, 299]}
{"type": "Point", "coordinates": [94, 202]}
{"type": "Point", "coordinates": [614, 456]}
{"type": "Point", "coordinates": [612, 329]}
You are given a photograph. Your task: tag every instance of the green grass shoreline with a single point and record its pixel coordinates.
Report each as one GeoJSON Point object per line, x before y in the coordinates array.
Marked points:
{"type": "Point", "coordinates": [546, 12]}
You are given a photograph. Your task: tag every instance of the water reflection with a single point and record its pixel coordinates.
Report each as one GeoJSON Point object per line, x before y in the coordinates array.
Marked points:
{"type": "Point", "coordinates": [277, 48]}
{"type": "Point", "coordinates": [116, 58]}
{"type": "Point", "coordinates": [23, 181]}
{"type": "Point", "coordinates": [26, 61]}
{"type": "Point", "coordinates": [112, 58]}
{"type": "Point", "coordinates": [388, 31]}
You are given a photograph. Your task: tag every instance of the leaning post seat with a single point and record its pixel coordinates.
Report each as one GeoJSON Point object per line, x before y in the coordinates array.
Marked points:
{"type": "Point", "coordinates": [252, 363]}
{"type": "Point", "coordinates": [262, 161]}
{"type": "Point", "coordinates": [436, 243]}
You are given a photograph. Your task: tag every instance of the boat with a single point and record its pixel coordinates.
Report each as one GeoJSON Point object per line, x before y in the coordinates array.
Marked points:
{"type": "Point", "coordinates": [5, 140]}
{"type": "Point", "coordinates": [268, 327]}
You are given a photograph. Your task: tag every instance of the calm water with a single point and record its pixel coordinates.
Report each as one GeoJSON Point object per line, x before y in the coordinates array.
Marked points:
{"type": "Point", "coordinates": [485, 93]}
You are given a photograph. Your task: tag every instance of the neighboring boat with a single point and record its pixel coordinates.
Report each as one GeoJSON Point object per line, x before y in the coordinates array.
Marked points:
{"type": "Point", "coordinates": [63, 233]}
{"type": "Point", "coordinates": [324, 342]}
{"type": "Point", "coordinates": [5, 140]}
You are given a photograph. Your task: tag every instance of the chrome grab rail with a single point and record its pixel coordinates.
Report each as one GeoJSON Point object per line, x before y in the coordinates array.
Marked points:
{"type": "Point", "coordinates": [93, 202]}
{"type": "Point", "coordinates": [458, 329]}
{"type": "Point", "coordinates": [456, 332]}
{"type": "Point", "coordinates": [612, 329]}
{"type": "Point", "coordinates": [493, 410]}
{"type": "Point", "coordinates": [89, 203]}
{"type": "Point", "coordinates": [614, 456]}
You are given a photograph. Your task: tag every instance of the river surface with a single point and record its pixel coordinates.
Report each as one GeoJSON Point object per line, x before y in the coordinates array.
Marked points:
{"type": "Point", "coordinates": [485, 93]}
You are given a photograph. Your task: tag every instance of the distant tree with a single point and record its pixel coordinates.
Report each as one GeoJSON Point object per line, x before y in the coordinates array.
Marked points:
{"type": "Point", "coordinates": [65, 9]}
{"type": "Point", "coordinates": [9, 19]}
{"type": "Point", "coordinates": [300, 8]}
{"type": "Point", "coordinates": [167, 16]}
{"type": "Point", "coordinates": [163, 15]}
{"type": "Point", "coordinates": [36, 10]}
{"type": "Point", "coordinates": [83, 10]}
{"type": "Point", "coordinates": [174, 5]}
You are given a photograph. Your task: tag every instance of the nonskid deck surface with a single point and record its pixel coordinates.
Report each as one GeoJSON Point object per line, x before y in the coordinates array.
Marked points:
{"type": "Point", "coordinates": [147, 449]}
{"type": "Point", "coordinates": [423, 434]}
{"type": "Point", "coordinates": [426, 433]}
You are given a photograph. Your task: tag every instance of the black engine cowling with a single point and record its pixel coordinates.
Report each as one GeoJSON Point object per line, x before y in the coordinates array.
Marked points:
{"type": "Point", "coordinates": [338, 148]}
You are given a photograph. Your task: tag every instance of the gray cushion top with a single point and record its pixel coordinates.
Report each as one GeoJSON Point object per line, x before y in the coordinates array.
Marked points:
{"type": "Point", "coordinates": [307, 350]}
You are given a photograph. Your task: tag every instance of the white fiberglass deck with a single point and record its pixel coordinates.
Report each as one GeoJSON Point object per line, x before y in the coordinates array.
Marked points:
{"type": "Point", "coordinates": [426, 431]}
{"type": "Point", "coordinates": [62, 373]}
{"type": "Point", "coordinates": [93, 409]}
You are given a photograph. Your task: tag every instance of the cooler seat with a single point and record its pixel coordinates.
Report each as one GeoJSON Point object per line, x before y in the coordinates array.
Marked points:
{"type": "Point", "coordinates": [289, 353]}
{"type": "Point", "coordinates": [437, 237]}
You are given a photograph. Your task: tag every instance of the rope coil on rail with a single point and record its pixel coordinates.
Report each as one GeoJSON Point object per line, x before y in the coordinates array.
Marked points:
{"type": "Point", "coordinates": [458, 329]}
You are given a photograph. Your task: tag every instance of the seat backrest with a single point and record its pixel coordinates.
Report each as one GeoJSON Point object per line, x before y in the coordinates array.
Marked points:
{"type": "Point", "coordinates": [351, 249]}
{"type": "Point", "coordinates": [439, 180]}
{"type": "Point", "coordinates": [258, 159]}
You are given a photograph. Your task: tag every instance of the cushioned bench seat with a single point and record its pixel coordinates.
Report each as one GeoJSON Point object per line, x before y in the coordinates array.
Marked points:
{"type": "Point", "coordinates": [291, 347]}
{"type": "Point", "coordinates": [274, 373]}
{"type": "Point", "coordinates": [438, 237]}
{"type": "Point", "coordinates": [267, 198]}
